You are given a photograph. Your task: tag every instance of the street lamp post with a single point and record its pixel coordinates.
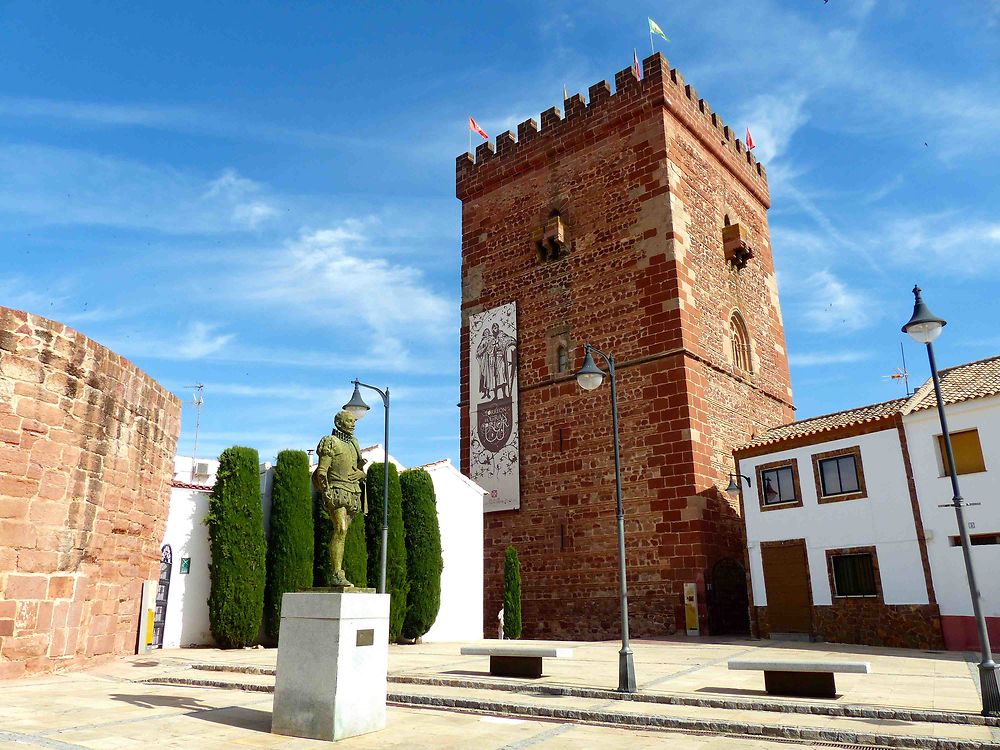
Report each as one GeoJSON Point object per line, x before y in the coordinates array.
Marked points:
{"type": "Point", "coordinates": [924, 327]}
{"type": "Point", "coordinates": [590, 377]}
{"type": "Point", "coordinates": [359, 408]}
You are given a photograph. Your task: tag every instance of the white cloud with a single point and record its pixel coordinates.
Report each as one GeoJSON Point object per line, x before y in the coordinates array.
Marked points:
{"type": "Point", "coordinates": [201, 341]}
{"type": "Point", "coordinates": [243, 196]}
{"type": "Point", "coordinates": [773, 120]}
{"type": "Point", "coordinates": [826, 304]}
{"type": "Point", "coordinates": [336, 277]}
{"type": "Point", "coordinates": [198, 341]}
{"type": "Point", "coordinates": [945, 244]}
{"type": "Point", "coordinates": [47, 185]}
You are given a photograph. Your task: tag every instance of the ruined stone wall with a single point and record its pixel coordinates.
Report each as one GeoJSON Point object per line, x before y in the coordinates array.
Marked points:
{"type": "Point", "coordinates": [641, 179]}
{"type": "Point", "coordinates": [86, 456]}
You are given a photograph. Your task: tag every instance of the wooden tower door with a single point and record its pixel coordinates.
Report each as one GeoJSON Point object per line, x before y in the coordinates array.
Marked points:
{"type": "Point", "coordinates": [786, 581]}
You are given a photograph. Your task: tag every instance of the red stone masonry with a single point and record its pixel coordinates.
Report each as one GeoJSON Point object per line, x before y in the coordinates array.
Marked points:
{"type": "Point", "coordinates": [86, 457]}
{"type": "Point", "coordinates": [643, 180]}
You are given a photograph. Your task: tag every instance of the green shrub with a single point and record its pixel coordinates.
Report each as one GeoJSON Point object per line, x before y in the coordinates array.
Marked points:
{"type": "Point", "coordinates": [355, 550]}
{"type": "Point", "coordinates": [423, 552]}
{"type": "Point", "coordinates": [322, 534]}
{"type": "Point", "coordinates": [511, 594]}
{"type": "Point", "coordinates": [356, 553]}
{"type": "Point", "coordinates": [290, 547]}
{"type": "Point", "coordinates": [396, 583]}
{"type": "Point", "coordinates": [236, 535]}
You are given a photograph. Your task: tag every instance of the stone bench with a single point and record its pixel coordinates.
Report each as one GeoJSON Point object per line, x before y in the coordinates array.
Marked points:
{"type": "Point", "coordinates": [517, 660]}
{"type": "Point", "coordinates": [804, 679]}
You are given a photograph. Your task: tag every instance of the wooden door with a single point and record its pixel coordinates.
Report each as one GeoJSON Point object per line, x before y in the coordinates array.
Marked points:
{"type": "Point", "coordinates": [786, 581]}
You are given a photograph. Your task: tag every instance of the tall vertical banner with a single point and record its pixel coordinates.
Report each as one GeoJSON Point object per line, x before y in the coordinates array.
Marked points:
{"type": "Point", "coordinates": [494, 449]}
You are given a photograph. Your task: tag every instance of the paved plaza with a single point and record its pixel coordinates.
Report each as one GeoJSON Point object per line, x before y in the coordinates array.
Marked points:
{"type": "Point", "coordinates": [209, 698]}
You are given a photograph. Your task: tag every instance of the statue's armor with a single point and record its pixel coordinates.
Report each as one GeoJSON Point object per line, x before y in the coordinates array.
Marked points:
{"type": "Point", "coordinates": [337, 459]}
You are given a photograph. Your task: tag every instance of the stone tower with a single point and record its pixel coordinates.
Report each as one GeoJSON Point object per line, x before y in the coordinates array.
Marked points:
{"type": "Point", "coordinates": [637, 223]}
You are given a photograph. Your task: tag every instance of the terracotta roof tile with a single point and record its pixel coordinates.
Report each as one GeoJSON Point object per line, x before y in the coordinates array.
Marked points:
{"type": "Point", "coordinates": [827, 422]}
{"type": "Point", "coordinates": [978, 379]}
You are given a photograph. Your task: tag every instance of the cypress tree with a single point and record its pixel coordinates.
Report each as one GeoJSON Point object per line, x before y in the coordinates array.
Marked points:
{"type": "Point", "coordinates": [323, 533]}
{"type": "Point", "coordinates": [511, 594]}
{"type": "Point", "coordinates": [236, 535]}
{"type": "Point", "coordinates": [290, 548]}
{"type": "Point", "coordinates": [395, 573]}
{"type": "Point", "coordinates": [423, 552]}
{"type": "Point", "coordinates": [355, 550]}
{"type": "Point", "coordinates": [356, 553]}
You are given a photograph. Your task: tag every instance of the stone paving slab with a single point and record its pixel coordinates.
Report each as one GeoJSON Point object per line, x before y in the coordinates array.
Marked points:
{"type": "Point", "coordinates": [103, 714]}
{"type": "Point", "coordinates": [681, 682]}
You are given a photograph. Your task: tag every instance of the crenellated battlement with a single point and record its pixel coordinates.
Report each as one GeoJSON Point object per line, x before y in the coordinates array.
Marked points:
{"type": "Point", "coordinates": [660, 85]}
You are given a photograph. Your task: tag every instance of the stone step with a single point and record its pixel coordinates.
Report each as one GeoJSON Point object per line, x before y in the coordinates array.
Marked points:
{"type": "Point", "coordinates": [260, 683]}
{"type": "Point", "coordinates": [533, 702]}
{"type": "Point", "coordinates": [233, 668]}
{"type": "Point", "coordinates": [805, 728]}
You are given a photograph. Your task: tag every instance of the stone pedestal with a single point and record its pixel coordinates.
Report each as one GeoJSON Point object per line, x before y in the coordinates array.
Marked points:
{"type": "Point", "coordinates": [333, 656]}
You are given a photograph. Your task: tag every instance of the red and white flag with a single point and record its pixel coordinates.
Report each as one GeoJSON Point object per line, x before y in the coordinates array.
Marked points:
{"type": "Point", "coordinates": [635, 64]}
{"type": "Point", "coordinates": [474, 127]}
{"type": "Point", "coordinates": [750, 144]}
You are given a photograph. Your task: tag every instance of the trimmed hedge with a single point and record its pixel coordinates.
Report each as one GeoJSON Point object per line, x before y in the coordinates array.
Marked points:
{"type": "Point", "coordinates": [356, 553]}
{"type": "Point", "coordinates": [322, 534]}
{"type": "Point", "coordinates": [236, 535]}
{"type": "Point", "coordinates": [290, 547]}
{"type": "Point", "coordinates": [511, 594]}
{"type": "Point", "coordinates": [424, 562]}
{"type": "Point", "coordinates": [395, 566]}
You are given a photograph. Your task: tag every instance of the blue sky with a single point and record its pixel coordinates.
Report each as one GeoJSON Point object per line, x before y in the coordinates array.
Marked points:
{"type": "Point", "coordinates": [260, 196]}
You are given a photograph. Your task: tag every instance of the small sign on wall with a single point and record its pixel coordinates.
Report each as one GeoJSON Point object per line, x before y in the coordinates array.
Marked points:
{"type": "Point", "coordinates": [185, 565]}
{"type": "Point", "coordinates": [691, 609]}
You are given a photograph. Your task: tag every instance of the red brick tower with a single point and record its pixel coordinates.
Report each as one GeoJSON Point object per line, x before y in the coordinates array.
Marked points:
{"type": "Point", "coordinates": [637, 223]}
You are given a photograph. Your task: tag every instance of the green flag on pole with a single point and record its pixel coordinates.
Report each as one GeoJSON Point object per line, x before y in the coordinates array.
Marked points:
{"type": "Point", "coordinates": [654, 28]}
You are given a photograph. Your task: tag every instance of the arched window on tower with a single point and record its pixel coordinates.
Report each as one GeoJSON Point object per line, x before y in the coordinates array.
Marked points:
{"type": "Point", "coordinates": [740, 340]}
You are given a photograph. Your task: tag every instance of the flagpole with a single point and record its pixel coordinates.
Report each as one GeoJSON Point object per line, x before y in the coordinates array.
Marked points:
{"type": "Point", "coordinates": [652, 49]}
{"type": "Point", "coordinates": [470, 140]}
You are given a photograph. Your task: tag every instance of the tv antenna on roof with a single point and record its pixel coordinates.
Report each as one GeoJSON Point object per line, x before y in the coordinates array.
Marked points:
{"type": "Point", "coordinates": [198, 401]}
{"type": "Point", "coordinates": [900, 373]}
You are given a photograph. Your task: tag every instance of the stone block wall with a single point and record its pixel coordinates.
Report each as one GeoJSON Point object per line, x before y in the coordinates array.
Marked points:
{"type": "Point", "coordinates": [871, 623]}
{"type": "Point", "coordinates": [87, 442]}
{"type": "Point", "coordinates": [642, 180]}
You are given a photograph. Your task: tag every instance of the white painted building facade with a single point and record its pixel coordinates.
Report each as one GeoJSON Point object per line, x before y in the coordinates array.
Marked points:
{"type": "Point", "coordinates": [186, 536]}
{"type": "Point", "coordinates": [845, 537]}
{"type": "Point", "coordinates": [186, 542]}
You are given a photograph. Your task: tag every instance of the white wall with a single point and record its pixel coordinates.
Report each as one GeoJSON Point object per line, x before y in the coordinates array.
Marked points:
{"type": "Point", "coordinates": [187, 601]}
{"type": "Point", "coordinates": [883, 519]}
{"type": "Point", "coordinates": [933, 489]}
{"type": "Point", "coordinates": [460, 516]}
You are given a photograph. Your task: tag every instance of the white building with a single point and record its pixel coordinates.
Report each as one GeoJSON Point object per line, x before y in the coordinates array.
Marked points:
{"type": "Point", "coordinates": [185, 542]}
{"type": "Point", "coordinates": [182, 605]}
{"type": "Point", "coordinates": [846, 538]}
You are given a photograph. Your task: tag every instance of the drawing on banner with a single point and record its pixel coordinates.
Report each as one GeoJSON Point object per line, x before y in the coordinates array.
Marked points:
{"type": "Point", "coordinates": [495, 447]}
